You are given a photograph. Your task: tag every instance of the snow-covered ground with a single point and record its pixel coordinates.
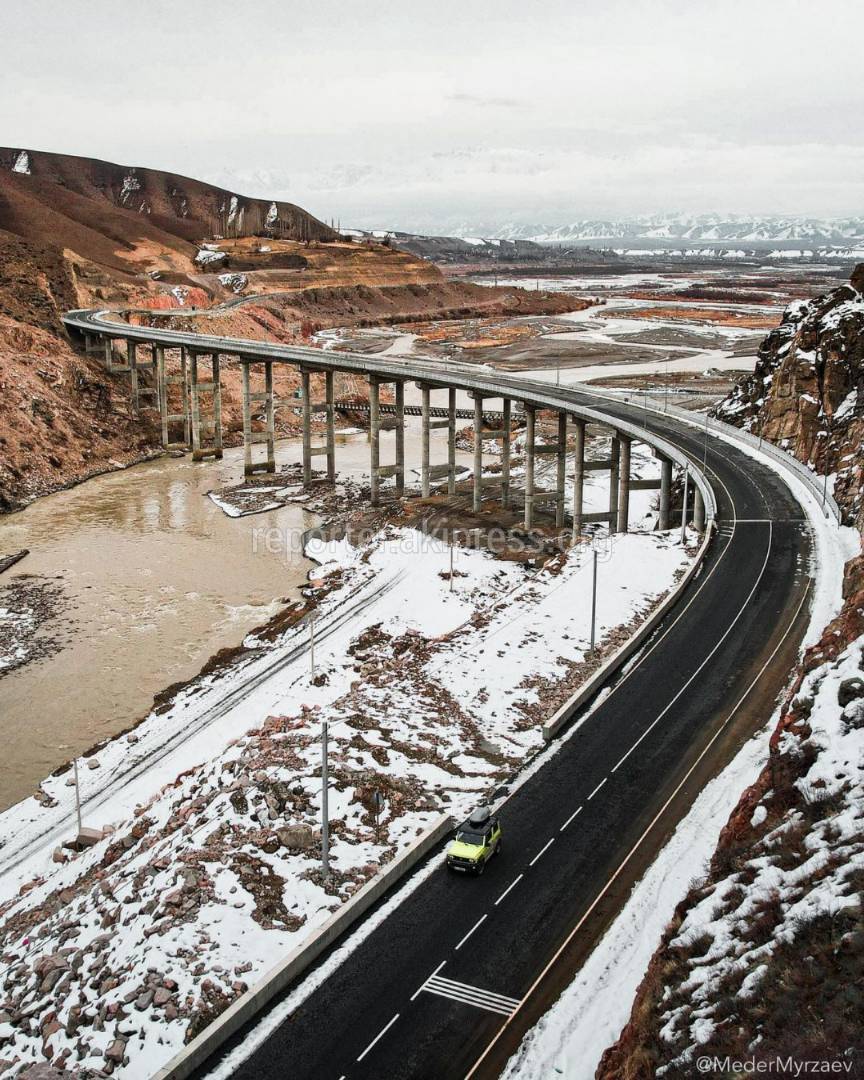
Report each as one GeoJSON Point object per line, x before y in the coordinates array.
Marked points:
{"type": "Point", "coordinates": [211, 872]}
{"type": "Point", "coordinates": [590, 1014]}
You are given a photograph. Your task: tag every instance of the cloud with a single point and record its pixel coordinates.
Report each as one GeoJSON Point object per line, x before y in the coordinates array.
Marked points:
{"type": "Point", "coordinates": [481, 101]}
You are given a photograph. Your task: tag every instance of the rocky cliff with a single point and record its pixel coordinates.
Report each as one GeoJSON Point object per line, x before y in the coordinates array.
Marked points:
{"type": "Point", "coordinates": [807, 392]}
{"type": "Point", "coordinates": [763, 957]}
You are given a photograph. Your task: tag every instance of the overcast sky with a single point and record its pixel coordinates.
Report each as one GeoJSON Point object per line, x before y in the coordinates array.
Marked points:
{"type": "Point", "coordinates": [424, 115]}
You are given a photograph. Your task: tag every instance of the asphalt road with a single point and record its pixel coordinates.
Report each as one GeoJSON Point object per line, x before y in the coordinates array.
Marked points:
{"type": "Point", "coordinates": [487, 941]}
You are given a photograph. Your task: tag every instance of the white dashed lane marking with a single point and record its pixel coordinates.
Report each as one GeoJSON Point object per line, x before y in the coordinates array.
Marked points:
{"type": "Point", "coordinates": [420, 989]}
{"type": "Point", "coordinates": [380, 1035]}
{"type": "Point", "coordinates": [569, 819]}
{"type": "Point", "coordinates": [509, 887]}
{"type": "Point", "coordinates": [596, 789]}
{"type": "Point", "coordinates": [540, 852]}
{"type": "Point", "coordinates": [481, 920]}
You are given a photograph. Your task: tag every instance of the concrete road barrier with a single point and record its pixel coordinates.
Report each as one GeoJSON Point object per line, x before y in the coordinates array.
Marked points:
{"type": "Point", "coordinates": [565, 714]}
{"type": "Point", "coordinates": [300, 959]}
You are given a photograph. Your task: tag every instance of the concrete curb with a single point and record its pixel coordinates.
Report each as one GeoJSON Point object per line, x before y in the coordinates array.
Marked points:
{"type": "Point", "coordinates": [562, 717]}
{"type": "Point", "coordinates": [248, 1005]}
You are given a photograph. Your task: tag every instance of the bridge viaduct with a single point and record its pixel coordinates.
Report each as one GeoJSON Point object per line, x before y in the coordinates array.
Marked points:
{"type": "Point", "coordinates": [142, 358]}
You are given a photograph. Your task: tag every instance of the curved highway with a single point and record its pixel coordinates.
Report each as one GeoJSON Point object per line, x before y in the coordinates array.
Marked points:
{"type": "Point", "coordinates": [459, 971]}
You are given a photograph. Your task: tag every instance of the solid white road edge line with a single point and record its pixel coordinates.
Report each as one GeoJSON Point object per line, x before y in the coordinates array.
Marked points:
{"type": "Point", "coordinates": [728, 631]}
{"type": "Point", "coordinates": [641, 839]}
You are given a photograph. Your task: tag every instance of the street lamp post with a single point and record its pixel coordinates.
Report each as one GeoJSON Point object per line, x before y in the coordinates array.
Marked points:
{"type": "Point", "coordinates": [325, 810]}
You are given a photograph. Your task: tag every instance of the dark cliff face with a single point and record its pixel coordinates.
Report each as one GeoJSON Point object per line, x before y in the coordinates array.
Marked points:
{"type": "Point", "coordinates": [763, 956]}
{"type": "Point", "coordinates": [807, 392]}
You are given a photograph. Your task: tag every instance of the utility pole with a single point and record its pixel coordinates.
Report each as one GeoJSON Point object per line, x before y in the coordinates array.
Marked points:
{"type": "Point", "coordinates": [312, 643]}
{"type": "Point", "coordinates": [705, 447]}
{"type": "Point", "coordinates": [378, 799]}
{"type": "Point", "coordinates": [77, 797]}
{"type": "Point", "coordinates": [451, 562]}
{"type": "Point", "coordinates": [325, 810]}
{"type": "Point", "coordinates": [594, 601]}
{"type": "Point", "coordinates": [684, 507]}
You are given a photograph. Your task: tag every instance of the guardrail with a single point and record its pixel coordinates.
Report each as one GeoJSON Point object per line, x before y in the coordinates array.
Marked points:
{"type": "Point", "coordinates": [493, 385]}
{"type": "Point", "coordinates": [787, 460]}
{"type": "Point", "coordinates": [591, 686]}
{"type": "Point", "coordinates": [299, 960]}
{"type": "Point", "coordinates": [812, 480]}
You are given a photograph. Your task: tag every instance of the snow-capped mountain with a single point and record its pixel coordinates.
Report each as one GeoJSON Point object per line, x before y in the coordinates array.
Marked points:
{"type": "Point", "coordinates": [685, 227]}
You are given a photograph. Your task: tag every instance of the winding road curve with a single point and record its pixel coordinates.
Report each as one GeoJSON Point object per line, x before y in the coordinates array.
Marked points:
{"type": "Point", "coordinates": [448, 984]}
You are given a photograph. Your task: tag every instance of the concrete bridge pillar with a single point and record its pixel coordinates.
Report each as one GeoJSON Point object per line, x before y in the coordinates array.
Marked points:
{"type": "Point", "coordinates": [623, 484]}
{"type": "Point", "coordinates": [505, 454]}
{"type": "Point", "coordinates": [561, 478]}
{"type": "Point", "coordinates": [329, 398]}
{"type": "Point", "coordinates": [424, 441]}
{"type": "Point", "coordinates": [196, 406]}
{"type": "Point", "coordinates": [530, 427]}
{"type": "Point", "coordinates": [164, 382]}
{"type": "Point", "coordinates": [478, 452]}
{"type": "Point", "coordinates": [400, 438]}
{"type": "Point", "coordinates": [217, 406]}
{"type": "Point", "coordinates": [108, 345]}
{"type": "Point", "coordinates": [268, 436]}
{"type": "Point", "coordinates": [202, 426]}
{"type": "Point", "coordinates": [305, 390]}
{"type": "Point", "coordinates": [162, 391]}
{"type": "Point", "coordinates": [451, 441]}
{"type": "Point", "coordinates": [698, 510]}
{"type": "Point", "coordinates": [614, 460]}
{"type": "Point", "coordinates": [578, 477]}
{"type": "Point", "coordinates": [132, 365]}
{"type": "Point", "coordinates": [665, 493]}
{"type": "Point", "coordinates": [374, 440]}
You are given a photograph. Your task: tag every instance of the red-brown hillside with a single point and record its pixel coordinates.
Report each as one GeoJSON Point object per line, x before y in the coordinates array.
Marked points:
{"type": "Point", "coordinates": [116, 214]}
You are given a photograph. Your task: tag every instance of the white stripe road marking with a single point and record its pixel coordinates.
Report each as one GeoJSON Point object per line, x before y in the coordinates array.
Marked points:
{"type": "Point", "coordinates": [482, 919]}
{"type": "Point", "coordinates": [569, 819]}
{"type": "Point", "coordinates": [596, 789]}
{"type": "Point", "coordinates": [540, 852]}
{"type": "Point", "coordinates": [472, 995]}
{"type": "Point", "coordinates": [651, 825]}
{"type": "Point", "coordinates": [475, 991]}
{"type": "Point", "coordinates": [422, 987]}
{"type": "Point", "coordinates": [509, 887]}
{"type": "Point", "coordinates": [489, 1006]}
{"type": "Point", "coordinates": [380, 1035]}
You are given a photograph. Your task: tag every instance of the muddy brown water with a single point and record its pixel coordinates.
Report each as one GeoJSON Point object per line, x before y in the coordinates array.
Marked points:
{"type": "Point", "coordinates": [156, 579]}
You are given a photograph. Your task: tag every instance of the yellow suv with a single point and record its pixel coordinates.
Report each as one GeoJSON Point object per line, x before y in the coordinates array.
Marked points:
{"type": "Point", "coordinates": [475, 842]}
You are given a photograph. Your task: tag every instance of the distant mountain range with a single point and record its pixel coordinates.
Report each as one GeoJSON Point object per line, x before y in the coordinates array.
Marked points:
{"type": "Point", "coordinates": [684, 228]}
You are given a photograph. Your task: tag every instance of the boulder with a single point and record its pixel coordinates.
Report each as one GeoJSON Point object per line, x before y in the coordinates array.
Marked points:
{"type": "Point", "coordinates": [850, 689]}
{"type": "Point", "coordinates": [116, 1051]}
{"type": "Point", "coordinates": [297, 837]}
